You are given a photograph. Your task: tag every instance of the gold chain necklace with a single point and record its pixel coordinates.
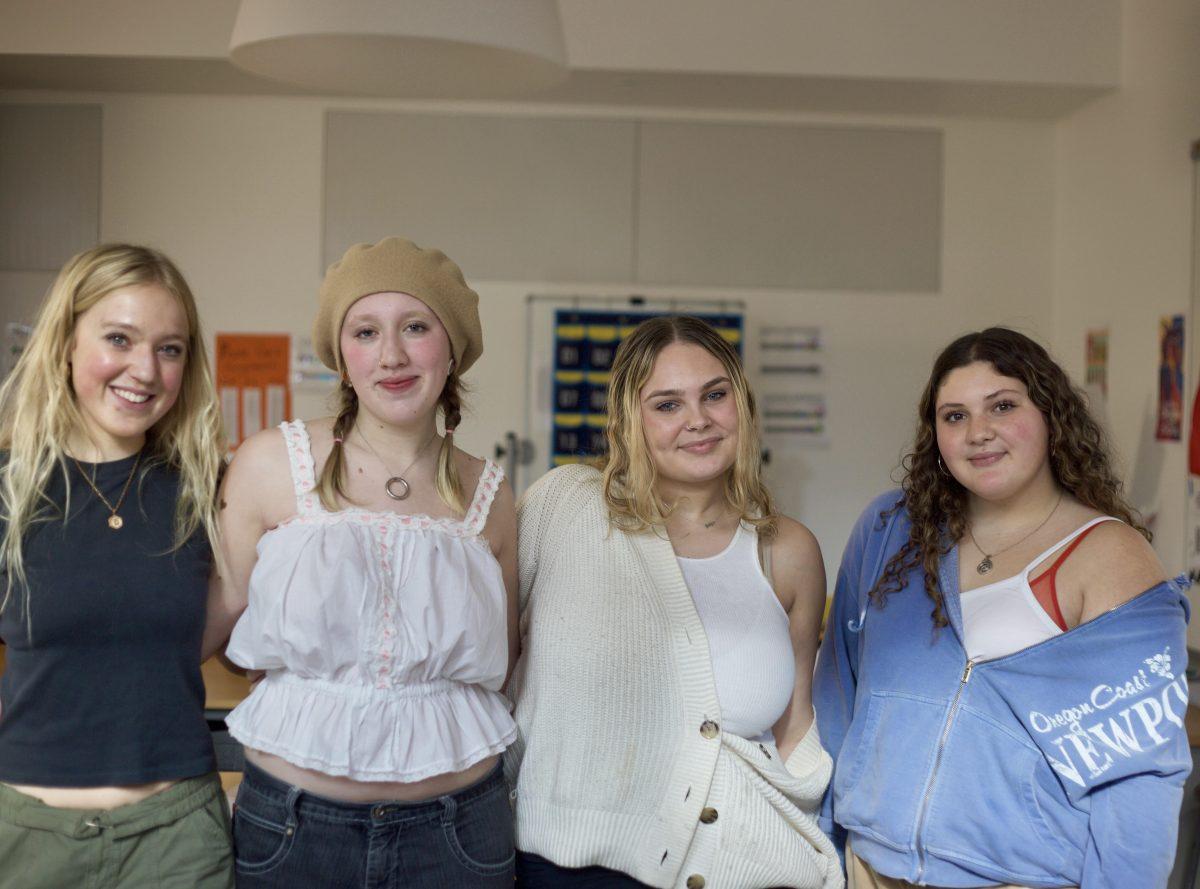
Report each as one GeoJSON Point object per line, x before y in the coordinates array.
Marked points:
{"type": "Point", "coordinates": [114, 521]}
{"type": "Point", "coordinates": [399, 478]}
{"type": "Point", "coordinates": [985, 564]}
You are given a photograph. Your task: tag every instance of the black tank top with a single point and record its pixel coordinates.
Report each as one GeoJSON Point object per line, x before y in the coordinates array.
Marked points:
{"type": "Point", "coordinates": [107, 690]}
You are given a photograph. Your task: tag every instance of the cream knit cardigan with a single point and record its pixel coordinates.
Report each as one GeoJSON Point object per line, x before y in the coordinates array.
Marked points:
{"type": "Point", "coordinates": [612, 688]}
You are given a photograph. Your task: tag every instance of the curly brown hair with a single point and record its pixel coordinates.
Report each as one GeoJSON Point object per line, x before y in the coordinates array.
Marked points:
{"type": "Point", "coordinates": [937, 504]}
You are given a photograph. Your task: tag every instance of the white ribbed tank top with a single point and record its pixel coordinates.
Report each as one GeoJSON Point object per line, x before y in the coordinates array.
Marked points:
{"type": "Point", "coordinates": [748, 641]}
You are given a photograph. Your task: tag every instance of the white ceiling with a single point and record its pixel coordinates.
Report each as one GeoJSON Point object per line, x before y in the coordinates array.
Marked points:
{"type": "Point", "coordinates": [1037, 59]}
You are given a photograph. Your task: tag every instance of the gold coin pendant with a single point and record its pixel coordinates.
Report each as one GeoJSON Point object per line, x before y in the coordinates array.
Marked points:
{"type": "Point", "coordinates": [115, 522]}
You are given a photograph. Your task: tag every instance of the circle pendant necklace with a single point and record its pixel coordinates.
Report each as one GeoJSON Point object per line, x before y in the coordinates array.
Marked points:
{"type": "Point", "coordinates": [114, 521]}
{"type": "Point", "coordinates": [985, 564]}
{"type": "Point", "coordinates": [397, 486]}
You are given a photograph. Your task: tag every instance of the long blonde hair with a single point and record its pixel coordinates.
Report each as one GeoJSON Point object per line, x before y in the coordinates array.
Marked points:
{"type": "Point", "coordinates": [629, 473]}
{"type": "Point", "coordinates": [38, 412]}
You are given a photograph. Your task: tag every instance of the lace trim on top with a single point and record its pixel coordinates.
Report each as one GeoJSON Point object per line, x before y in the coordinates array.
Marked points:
{"type": "Point", "coordinates": [304, 478]}
{"type": "Point", "coordinates": [308, 504]}
{"type": "Point", "coordinates": [485, 493]}
{"type": "Point", "coordinates": [309, 509]}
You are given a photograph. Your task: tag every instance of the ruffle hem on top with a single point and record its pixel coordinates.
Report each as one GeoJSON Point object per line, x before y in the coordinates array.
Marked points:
{"type": "Point", "coordinates": [371, 734]}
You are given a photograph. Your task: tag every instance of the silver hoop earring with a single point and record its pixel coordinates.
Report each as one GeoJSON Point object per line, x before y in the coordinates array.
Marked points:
{"type": "Point", "coordinates": [942, 466]}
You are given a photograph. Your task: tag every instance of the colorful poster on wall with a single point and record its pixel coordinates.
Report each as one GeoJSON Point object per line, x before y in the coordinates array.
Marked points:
{"type": "Point", "coordinates": [1170, 379]}
{"type": "Point", "coordinates": [585, 343]}
{"type": "Point", "coordinates": [253, 382]}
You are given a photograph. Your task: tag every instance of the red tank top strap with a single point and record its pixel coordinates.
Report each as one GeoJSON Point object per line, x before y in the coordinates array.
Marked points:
{"type": "Point", "coordinates": [1044, 587]}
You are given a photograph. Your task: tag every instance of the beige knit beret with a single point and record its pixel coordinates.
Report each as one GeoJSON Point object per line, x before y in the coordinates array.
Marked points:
{"type": "Point", "coordinates": [400, 266]}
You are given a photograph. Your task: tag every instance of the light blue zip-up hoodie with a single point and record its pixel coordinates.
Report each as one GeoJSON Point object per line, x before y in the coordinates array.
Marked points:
{"type": "Point", "coordinates": [1059, 765]}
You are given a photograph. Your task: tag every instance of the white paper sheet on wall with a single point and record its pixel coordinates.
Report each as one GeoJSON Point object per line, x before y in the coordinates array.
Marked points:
{"type": "Point", "coordinates": [795, 419]}
{"type": "Point", "coordinates": [229, 410]}
{"type": "Point", "coordinates": [276, 406]}
{"type": "Point", "coordinates": [251, 411]}
{"type": "Point", "coordinates": [308, 373]}
{"type": "Point", "coordinates": [794, 405]}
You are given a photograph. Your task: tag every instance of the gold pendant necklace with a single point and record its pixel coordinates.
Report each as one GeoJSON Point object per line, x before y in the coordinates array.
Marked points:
{"type": "Point", "coordinates": [114, 521]}
{"type": "Point", "coordinates": [985, 564]}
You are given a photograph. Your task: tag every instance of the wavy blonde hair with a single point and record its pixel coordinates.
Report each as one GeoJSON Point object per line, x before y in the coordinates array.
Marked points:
{"type": "Point", "coordinates": [38, 412]}
{"type": "Point", "coordinates": [629, 472]}
{"type": "Point", "coordinates": [937, 504]}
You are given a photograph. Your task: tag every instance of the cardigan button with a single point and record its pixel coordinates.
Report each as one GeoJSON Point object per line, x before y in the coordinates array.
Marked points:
{"type": "Point", "coordinates": [708, 815]}
{"type": "Point", "coordinates": [695, 881]}
{"type": "Point", "coordinates": [710, 730]}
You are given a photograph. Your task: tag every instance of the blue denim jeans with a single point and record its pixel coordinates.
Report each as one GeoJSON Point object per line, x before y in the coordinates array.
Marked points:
{"type": "Point", "coordinates": [288, 838]}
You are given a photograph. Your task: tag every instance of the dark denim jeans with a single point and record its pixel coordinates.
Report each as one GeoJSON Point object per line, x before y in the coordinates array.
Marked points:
{"type": "Point", "coordinates": [536, 872]}
{"type": "Point", "coordinates": [288, 838]}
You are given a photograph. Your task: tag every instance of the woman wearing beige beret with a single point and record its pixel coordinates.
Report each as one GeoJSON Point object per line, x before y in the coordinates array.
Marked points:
{"type": "Point", "coordinates": [373, 564]}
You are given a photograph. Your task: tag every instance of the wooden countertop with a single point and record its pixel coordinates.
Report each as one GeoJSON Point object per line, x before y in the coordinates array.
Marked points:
{"type": "Point", "coordinates": [223, 689]}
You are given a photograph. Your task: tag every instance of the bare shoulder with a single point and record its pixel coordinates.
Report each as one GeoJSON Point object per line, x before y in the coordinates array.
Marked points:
{"type": "Point", "coordinates": [501, 527]}
{"type": "Point", "coordinates": [797, 569]}
{"type": "Point", "coordinates": [259, 479]}
{"type": "Point", "coordinates": [1119, 564]}
{"type": "Point", "coordinates": [320, 440]}
{"type": "Point", "coordinates": [259, 459]}
{"type": "Point", "coordinates": [794, 547]}
{"type": "Point", "coordinates": [470, 469]}
{"type": "Point", "coordinates": [505, 504]}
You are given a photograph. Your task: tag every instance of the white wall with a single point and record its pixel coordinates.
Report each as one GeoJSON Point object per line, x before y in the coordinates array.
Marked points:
{"type": "Point", "coordinates": [231, 188]}
{"type": "Point", "coordinates": [1052, 41]}
{"type": "Point", "coordinates": [1123, 236]}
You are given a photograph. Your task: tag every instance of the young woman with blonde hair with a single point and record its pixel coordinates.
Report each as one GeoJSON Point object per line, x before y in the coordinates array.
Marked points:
{"type": "Point", "coordinates": [110, 445]}
{"type": "Point", "coordinates": [373, 559]}
{"type": "Point", "coordinates": [1002, 678]}
{"type": "Point", "coordinates": [669, 622]}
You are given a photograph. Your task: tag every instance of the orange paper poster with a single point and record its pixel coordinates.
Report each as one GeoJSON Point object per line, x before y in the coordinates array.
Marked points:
{"type": "Point", "coordinates": [253, 381]}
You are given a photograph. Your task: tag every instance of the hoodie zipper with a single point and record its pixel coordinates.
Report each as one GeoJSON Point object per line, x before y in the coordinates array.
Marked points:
{"type": "Point", "coordinates": [937, 764]}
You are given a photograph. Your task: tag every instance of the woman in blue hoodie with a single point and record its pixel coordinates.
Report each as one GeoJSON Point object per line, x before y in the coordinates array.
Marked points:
{"type": "Point", "coordinates": [1001, 683]}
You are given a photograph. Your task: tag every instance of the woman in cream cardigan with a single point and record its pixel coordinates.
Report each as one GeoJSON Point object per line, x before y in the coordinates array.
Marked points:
{"type": "Point", "coordinates": [669, 620]}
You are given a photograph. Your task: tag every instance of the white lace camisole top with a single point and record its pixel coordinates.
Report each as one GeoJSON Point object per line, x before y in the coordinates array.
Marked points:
{"type": "Point", "coordinates": [383, 638]}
